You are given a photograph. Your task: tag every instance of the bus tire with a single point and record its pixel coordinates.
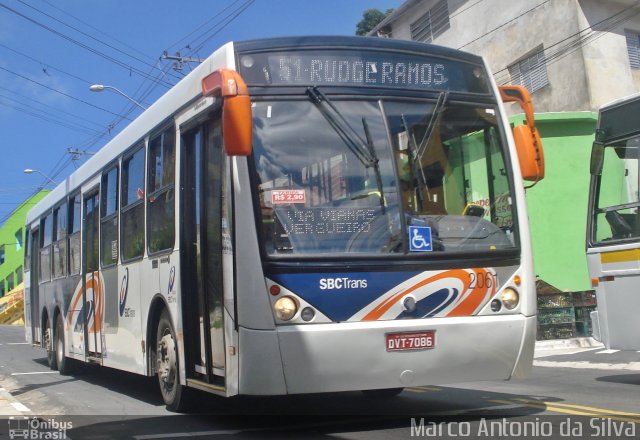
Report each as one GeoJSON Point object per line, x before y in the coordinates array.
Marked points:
{"type": "Point", "coordinates": [48, 341]}
{"type": "Point", "coordinates": [63, 362]}
{"type": "Point", "coordinates": [382, 393]}
{"type": "Point", "coordinates": [167, 367]}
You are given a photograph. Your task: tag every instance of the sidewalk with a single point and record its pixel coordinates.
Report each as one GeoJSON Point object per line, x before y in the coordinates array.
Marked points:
{"type": "Point", "coordinates": [9, 406]}
{"type": "Point", "coordinates": [573, 343]}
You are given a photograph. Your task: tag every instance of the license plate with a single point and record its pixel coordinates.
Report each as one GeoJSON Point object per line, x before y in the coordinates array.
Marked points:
{"type": "Point", "coordinates": [424, 340]}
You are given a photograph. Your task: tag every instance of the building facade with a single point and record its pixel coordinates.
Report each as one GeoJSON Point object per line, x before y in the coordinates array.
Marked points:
{"type": "Point", "coordinates": [12, 244]}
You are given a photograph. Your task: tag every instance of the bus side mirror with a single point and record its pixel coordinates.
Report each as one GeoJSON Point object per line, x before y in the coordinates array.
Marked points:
{"type": "Point", "coordinates": [236, 110]}
{"type": "Point", "coordinates": [597, 158]}
{"type": "Point", "coordinates": [526, 137]}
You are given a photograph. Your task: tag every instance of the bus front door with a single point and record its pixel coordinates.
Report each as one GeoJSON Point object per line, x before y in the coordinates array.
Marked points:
{"type": "Point", "coordinates": [202, 246]}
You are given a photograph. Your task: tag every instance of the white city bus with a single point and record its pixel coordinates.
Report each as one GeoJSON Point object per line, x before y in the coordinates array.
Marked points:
{"type": "Point", "coordinates": [298, 215]}
{"type": "Point", "coordinates": [613, 239]}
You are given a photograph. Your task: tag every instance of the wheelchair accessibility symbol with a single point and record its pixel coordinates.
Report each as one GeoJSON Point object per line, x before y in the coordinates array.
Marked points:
{"type": "Point", "coordinates": [420, 239]}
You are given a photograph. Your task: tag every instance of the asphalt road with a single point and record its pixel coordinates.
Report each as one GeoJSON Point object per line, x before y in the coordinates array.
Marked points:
{"type": "Point", "coordinates": [571, 393]}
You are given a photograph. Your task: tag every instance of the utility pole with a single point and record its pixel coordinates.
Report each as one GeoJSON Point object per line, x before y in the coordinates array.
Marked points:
{"type": "Point", "coordinates": [179, 60]}
{"type": "Point", "coordinates": [76, 153]}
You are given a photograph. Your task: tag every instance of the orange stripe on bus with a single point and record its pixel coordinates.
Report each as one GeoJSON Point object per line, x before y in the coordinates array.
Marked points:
{"type": "Point", "coordinates": [475, 298]}
{"type": "Point", "coordinates": [382, 308]}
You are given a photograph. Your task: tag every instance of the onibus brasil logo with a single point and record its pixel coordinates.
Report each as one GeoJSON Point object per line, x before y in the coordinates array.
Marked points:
{"type": "Point", "coordinates": [38, 429]}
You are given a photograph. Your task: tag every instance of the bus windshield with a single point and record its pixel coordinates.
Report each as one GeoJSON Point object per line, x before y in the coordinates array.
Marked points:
{"type": "Point", "coordinates": [618, 199]}
{"type": "Point", "coordinates": [391, 176]}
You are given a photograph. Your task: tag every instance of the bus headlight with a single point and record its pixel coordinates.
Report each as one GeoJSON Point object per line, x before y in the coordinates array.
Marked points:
{"type": "Point", "coordinates": [285, 308]}
{"type": "Point", "coordinates": [510, 298]}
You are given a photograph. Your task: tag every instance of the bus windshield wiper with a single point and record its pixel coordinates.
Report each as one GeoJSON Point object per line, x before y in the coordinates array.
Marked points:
{"type": "Point", "coordinates": [416, 170]}
{"type": "Point", "coordinates": [436, 116]}
{"type": "Point", "coordinates": [363, 149]}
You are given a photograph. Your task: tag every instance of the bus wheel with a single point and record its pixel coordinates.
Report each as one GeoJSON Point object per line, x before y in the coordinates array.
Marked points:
{"type": "Point", "coordinates": [48, 345]}
{"type": "Point", "coordinates": [167, 366]}
{"type": "Point", "coordinates": [383, 393]}
{"type": "Point", "coordinates": [64, 363]}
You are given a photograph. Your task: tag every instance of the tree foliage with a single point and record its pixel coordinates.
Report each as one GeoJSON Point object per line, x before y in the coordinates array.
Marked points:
{"type": "Point", "coordinates": [370, 19]}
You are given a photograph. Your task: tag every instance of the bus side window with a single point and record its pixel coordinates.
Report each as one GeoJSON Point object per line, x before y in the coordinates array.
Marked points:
{"type": "Point", "coordinates": [46, 226]}
{"type": "Point", "coordinates": [160, 185]}
{"type": "Point", "coordinates": [109, 218]}
{"type": "Point", "coordinates": [75, 220]}
{"type": "Point", "coordinates": [132, 197]}
{"type": "Point", "coordinates": [60, 241]}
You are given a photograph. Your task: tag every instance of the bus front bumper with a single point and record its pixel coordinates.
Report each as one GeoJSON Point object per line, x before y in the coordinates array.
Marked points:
{"type": "Point", "coordinates": [353, 356]}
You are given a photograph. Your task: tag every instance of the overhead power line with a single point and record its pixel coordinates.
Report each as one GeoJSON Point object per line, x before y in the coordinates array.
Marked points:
{"type": "Point", "coordinates": [97, 40]}
{"type": "Point", "coordinates": [107, 57]}
{"type": "Point", "coordinates": [57, 91]}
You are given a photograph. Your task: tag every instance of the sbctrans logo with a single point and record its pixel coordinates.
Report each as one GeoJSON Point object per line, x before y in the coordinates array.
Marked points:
{"type": "Point", "coordinates": [342, 283]}
{"type": "Point", "coordinates": [38, 429]}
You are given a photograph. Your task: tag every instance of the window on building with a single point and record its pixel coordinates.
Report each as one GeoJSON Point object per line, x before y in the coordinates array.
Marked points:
{"type": "Point", "coordinates": [10, 283]}
{"type": "Point", "coordinates": [19, 275]}
{"type": "Point", "coordinates": [60, 241]}
{"type": "Point", "coordinates": [132, 196]}
{"type": "Point", "coordinates": [109, 217]}
{"type": "Point", "coordinates": [2, 254]}
{"type": "Point", "coordinates": [633, 48]}
{"type": "Point", "coordinates": [432, 24]}
{"type": "Point", "coordinates": [161, 193]}
{"type": "Point", "coordinates": [531, 71]}
{"type": "Point", "coordinates": [2, 290]}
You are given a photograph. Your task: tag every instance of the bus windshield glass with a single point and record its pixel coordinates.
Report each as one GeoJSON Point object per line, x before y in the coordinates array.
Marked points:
{"type": "Point", "coordinates": [618, 199]}
{"type": "Point", "coordinates": [389, 176]}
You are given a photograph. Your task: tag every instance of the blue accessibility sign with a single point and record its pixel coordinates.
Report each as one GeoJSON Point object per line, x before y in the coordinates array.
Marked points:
{"type": "Point", "coordinates": [420, 239]}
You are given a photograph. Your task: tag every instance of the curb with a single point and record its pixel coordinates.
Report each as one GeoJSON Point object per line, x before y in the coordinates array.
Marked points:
{"type": "Point", "coordinates": [553, 344]}
{"type": "Point", "coordinates": [9, 405]}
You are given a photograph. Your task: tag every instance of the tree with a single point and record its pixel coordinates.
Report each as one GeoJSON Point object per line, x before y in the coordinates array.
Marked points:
{"type": "Point", "coordinates": [370, 19]}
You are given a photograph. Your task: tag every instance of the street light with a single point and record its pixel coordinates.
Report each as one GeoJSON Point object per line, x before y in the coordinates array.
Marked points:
{"type": "Point", "coordinates": [31, 171]}
{"type": "Point", "coordinates": [101, 87]}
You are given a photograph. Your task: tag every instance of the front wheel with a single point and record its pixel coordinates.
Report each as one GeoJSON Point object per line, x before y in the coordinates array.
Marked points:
{"type": "Point", "coordinates": [173, 393]}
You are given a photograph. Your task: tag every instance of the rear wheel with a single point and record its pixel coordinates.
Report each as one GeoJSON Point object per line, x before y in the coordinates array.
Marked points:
{"type": "Point", "coordinates": [47, 341]}
{"type": "Point", "coordinates": [173, 393]}
{"type": "Point", "coordinates": [63, 362]}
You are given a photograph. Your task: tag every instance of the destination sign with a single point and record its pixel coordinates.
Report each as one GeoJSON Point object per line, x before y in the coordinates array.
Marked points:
{"type": "Point", "coordinates": [361, 69]}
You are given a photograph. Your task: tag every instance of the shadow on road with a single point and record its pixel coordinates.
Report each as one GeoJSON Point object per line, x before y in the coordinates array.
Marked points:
{"type": "Point", "coordinates": [627, 379]}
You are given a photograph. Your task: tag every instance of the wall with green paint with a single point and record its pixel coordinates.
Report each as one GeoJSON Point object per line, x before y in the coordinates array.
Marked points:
{"type": "Point", "coordinates": [12, 244]}
{"type": "Point", "coordinates": [558, 204]}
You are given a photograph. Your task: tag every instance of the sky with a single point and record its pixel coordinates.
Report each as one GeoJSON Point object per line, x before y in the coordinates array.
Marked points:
{"type": "Point", "coordinates": [51, 51]}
